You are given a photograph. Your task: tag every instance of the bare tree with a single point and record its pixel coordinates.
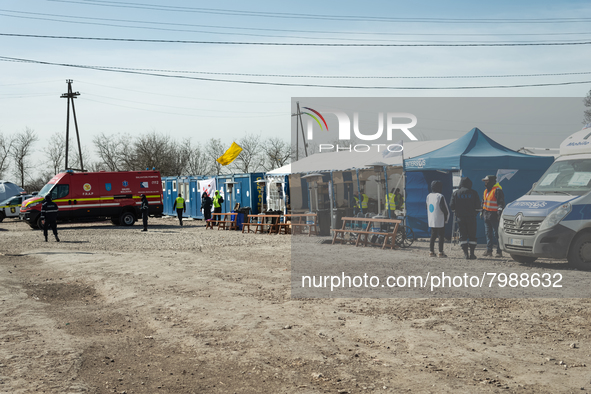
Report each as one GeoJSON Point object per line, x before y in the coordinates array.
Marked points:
{"type": "Point", "coordinates": [21, 150]}
{"type": "Point", "coordinates": [36, 184]}
{"type": "Point", "coordinates": [158, 151]}
{"type": "Point", "coordinates": [250, 159]}
{"type": "Point", "coordinates": [587, 113]}
{"type": "Point", "coordinates": [55, 152]}
{"type": "Point", "coordinates": [277, 153]}
{"type": "Point", "coordinates": [127, 155]}
{"type": "Point", "coordinates": [198, 162]}
{"type": "Point", "coordinates": [109, 149]}
{"type": "Point", "coordinates": [215, 149]}
{"type": "Point", "coordinates": [5, 149]}
{"type": "Point", "coordinates": [75, 158]}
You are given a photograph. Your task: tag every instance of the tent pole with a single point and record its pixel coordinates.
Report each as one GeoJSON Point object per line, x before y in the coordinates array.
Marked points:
{"type": "Point", "coordinates": [332, 202]}
{"type": "Point", "coordinates": [387, 194]}
{"type": "Point", "coordinates": [359, 192]}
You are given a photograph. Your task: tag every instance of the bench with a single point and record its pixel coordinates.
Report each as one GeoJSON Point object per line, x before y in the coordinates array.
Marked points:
{"type": "Point", "coordinates": [260, 221]}
{"type": "Point", "coordinates": [365, 233]}
{"type": "Point", "coordinates": [226, 221]}
{"type": "Point", "coordinates": [295, 223]}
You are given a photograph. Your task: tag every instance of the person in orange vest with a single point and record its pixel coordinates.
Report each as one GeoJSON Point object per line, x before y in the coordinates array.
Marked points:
{"type": "Point", "coordinates": [493, 203]}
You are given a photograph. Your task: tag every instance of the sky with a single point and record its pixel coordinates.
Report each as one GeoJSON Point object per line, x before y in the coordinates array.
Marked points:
{"type": "Point", "coordinates": [119, 100]}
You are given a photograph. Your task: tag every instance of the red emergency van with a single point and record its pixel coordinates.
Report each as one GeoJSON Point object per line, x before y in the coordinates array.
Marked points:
{"type": "Point", "coordinates": [83, 196]}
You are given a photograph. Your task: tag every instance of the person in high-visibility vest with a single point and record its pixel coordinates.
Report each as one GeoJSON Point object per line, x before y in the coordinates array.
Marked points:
{"type": "Point", "coordinates": [179, 205]}
{"type": "Point", "coordinates": [390, 201]}
{"type": "Point", "coordinates": [493, 203]}
{"type": "Point", "coordinates": [364, 200]}
{"type": "Point", "coordinates": [217, 205]}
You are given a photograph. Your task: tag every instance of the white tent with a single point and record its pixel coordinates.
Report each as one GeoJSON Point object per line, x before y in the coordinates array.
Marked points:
{"type": "Point", "coordinates": [345, 161]}
{"type": "Point", "coordinates": [9, 189]}
{"type": "Point", "coordinates": [285, 170]}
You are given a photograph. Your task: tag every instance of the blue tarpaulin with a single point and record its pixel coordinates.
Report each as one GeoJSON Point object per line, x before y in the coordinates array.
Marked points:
{"type": "Point", "coordinates": [476, 156]}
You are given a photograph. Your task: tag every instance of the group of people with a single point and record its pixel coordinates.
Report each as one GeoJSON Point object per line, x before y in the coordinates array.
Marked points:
{"type": "Point", "coordinates": [206, 204]}
{"type": "Point", "coordinates": [467, 205]}
{"type": "Point", "coordinates": [394, 200]}
{"type": "Point", "coordinates": [49, 210]}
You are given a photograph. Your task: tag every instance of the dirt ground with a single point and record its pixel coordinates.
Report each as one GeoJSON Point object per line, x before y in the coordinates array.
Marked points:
{"type": "Point", "coordinates": [188, 310]}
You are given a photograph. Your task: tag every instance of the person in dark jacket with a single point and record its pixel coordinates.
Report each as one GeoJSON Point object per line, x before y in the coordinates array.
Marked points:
{"type": "Point", "coordinates": [398, 200]}
{"type": "Point", "coordinates": [206, 204]}
{"type": "Point", "coordinates": [49, 217]}
{"type": "Point", "coordinates": [466, 205]}
{"type": "Point", "coordinates": [493, 203]}
{"type": "Point", "coordinates": [145, 208]}
{"type": "Point", "coordinates": [437, 214]}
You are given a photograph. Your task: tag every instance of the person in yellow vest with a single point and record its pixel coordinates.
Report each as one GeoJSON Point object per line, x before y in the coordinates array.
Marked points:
{"type": "Point", "coordinates": [179, 205]}
{"type": "Point", "coordinates": [493, 203]}
{"type": "Point", "coordinates": [217, 205]}
{"type": "Point", "coordinates": [391, 202]}
{"type": "Point", "coordinates": [364, 201]}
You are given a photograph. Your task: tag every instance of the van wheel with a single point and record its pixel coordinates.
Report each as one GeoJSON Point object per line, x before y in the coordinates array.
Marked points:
{"type": "Point", "coordinates": [127, 219]}
{"type": "Point", "coordinates": [523, 259]}
{"type": "Point", "coordinates": [38, 223]}
{"type": "Point", "coordinates": [2, 216]}
{"type": "Point", "coordinates": [579, 255]}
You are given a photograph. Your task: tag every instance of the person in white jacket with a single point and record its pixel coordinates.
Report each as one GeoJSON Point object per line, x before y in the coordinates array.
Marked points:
{"type": "Point", "coordinates": [438, 214]}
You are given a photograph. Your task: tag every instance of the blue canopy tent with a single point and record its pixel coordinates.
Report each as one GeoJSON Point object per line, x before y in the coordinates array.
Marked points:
{"type": "Point", "coordinates": [474, 155]}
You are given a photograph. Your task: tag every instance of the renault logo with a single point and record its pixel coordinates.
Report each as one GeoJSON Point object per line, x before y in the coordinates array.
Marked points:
{"type": "Point", "coordinates": [518, 220]}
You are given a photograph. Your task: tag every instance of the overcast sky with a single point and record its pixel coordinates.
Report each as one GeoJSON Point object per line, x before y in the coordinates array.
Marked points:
{"type": "Point", "coordinates": [131, 104]}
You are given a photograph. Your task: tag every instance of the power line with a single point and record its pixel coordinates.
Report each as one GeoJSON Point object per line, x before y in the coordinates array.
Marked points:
{"type": "Point", "coordinates": [181, 114]}
{"type": "Point", "coordinates": [185, 97]}
{"type": "Point", "coordinates": [4, 58]}
{"type": "Point", "coordinates": [491, 44]}
{"type": "Point", "coordinates": [346, 76]}
{"type": "Point", "coordinates": [274, 113]}
{"type": "Point", "coordinates": [84, 18]}
{"type": "Point", "coordinates": [218, 11]}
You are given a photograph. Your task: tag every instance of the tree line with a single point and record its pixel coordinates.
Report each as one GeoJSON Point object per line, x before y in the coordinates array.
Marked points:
{"type": "Point", "coordinates": [32, 169]}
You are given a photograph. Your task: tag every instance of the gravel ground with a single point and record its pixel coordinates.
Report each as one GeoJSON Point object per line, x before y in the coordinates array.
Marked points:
{"type": "Point", "coordinates": [184, 309]}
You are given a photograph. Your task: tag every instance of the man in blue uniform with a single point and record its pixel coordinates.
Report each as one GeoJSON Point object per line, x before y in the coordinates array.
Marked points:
{"type": "Point", "coordinates": [49, 216]}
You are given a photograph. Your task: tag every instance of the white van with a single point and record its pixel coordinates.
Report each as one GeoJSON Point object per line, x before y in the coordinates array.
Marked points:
{"type": "Point", "coordinates": [553, 219]}
{"type": "Point", "coordinates": [11, 207]}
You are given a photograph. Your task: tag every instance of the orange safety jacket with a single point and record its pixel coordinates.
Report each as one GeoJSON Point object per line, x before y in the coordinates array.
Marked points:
{"type": "Point", "coordinates": [489, 202]}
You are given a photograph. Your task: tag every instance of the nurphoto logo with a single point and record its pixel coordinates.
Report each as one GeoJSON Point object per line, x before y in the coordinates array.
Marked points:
{"type": "Point", "coordinates": [391, 122]}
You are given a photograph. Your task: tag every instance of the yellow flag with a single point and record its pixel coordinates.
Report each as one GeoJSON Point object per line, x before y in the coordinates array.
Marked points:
{"type": "Point", "coordinates": [231, 154]}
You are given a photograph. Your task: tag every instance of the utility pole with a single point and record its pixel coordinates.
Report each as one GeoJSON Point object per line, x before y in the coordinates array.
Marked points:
{"type": "Point", "coordinates": [298, 124]}
{"type": "Point", "coordinates": [71, 96]}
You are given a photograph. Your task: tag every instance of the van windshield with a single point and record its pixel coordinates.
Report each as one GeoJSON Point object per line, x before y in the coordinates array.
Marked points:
{"type": "Point", "coordinates": [571, 177]}
{"type": "Point", "coordinates": [43, 192]}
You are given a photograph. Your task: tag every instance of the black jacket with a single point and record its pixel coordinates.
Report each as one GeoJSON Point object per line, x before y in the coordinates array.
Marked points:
{"type": "Point", "coordinates": [465, 202]}
{"type": "Point", "coordinates": [49, 211]}
{"type": "Point", "coordinates": [145, 207]}
{"type": "Point", "coordinates": [206, 203]}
